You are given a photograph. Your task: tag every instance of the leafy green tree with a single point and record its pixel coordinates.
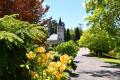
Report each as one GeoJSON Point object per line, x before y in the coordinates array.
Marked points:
{"type": "Point", "coordinates": [105, 13]}
{"type": "Point", "coordinates": [98, 40]}
{"type": "Point", "coordinates": [68, 37]}
{"type": "Point", "coordinates": [17, 38]}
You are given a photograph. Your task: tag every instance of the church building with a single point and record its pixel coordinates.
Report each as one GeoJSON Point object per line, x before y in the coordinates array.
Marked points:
{"type": "Point", "coordinates": [54, 39]}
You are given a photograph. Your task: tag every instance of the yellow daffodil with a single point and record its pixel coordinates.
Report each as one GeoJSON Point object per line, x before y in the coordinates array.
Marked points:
{"type": "Point", "coordinates": [31, 55]}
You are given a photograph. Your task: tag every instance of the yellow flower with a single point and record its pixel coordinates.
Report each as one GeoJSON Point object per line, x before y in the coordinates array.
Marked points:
{"type": "Point", "coordinates": [51, 70]}
{"type": "Point", "coordinates": [40, 50]}
{"type": "Point", "coordinates": [43, 56]}
{"type": "Point", "coordinates": [42, 59]}
{"type": "Point", "coordinates": [62, 67]}
{"type": "Point", "coordinates": [39, 60]}
{"type": "Point", "coordinates": [34, 74]}
{"type": "Point", "coordinates": [58, 64]}
{"type": "Point", "coordinates": [58, 76]}
{"type": "Point", "coordinates": [52, 64]}
{"type": "Point", "coordinates": [49, 55]}
{"type": "Point", "coordinates": [31, 55]}
{"type": "Point", "coordinates": [64, 58]}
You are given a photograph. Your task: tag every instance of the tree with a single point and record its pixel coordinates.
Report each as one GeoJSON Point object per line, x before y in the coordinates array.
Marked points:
{"type": "Point", "coordinates": [78, 33]}
{"type": "Point", "coordinates": [68, 36]}
{"type": "Point", "coordinates": [65, 34]}
{"type": "Point", "coordinates": [72, 33]}
{"type": "Point", "coordinates": [105, 13]}
{"type": "Point", "coordinates": [28, 10]}
{"type": "Point", "coordinates": [53, 26]}
{"type": "Point", "coordinates": [97, 40]}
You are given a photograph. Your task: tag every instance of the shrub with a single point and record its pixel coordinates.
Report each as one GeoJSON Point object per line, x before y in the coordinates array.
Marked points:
{"type": "Point", "coordinates": [112, 53]}
{"type": "Point", "coordinates": [16, 38]}
{"type": "Point", "coordinates": [99, 41]}
{"type": "Point", "coordinates": [115, 53]}
{"type": "Point", "coordinates": [69, 48]}
{"type": "Point", "coordinates": [41, 65]}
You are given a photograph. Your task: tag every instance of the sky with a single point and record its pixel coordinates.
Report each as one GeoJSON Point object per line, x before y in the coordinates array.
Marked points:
{"type": "Point", "coordinates": [72, 12]}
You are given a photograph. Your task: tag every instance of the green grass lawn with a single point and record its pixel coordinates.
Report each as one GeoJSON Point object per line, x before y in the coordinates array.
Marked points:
{"type": "Point", "coordinates": [113, 61]}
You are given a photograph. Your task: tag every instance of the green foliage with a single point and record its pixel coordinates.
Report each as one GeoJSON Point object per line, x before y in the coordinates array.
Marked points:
{"type": "Point", "coordinates": [112, 53]}
{"type": "Point", "coordinates": [68, 36]}
{"type": "Point", "coordinates": [113, 61]}
{"type": "Point", "coordinates": [72, 34]}
{"type": "Point", "coordinates": [115, 53]}
{"type": "Point", "coordinates": [97, 40]}
{"type": "Point", "coordinates": [69, 48]}
{"type": "Point", "coordinates": [16, 38]}
{"type": "Point", "coordinates": [10, 37]}
{"type": "Point", "coordinates": [24, 30]}
{"type": "Point", "coordinates": [78, 33]}
{"type": "Point", "coordinates": [53, 26]}
{"type": "Point", "coordinates": [85, 39]}
{"type": "Point", "coordinates": [65, 33]}
{"type": "Point", "coordinates": [75, 33]}
{"type": "Point", "coordinates": [105, 13]}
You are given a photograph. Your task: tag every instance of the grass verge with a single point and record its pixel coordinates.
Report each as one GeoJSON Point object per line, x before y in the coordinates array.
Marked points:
{"type": "Point", "coordinates": [112, 61]}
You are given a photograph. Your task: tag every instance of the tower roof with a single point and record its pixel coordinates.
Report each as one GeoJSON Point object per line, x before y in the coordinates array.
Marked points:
{"type": "Point", "coordinates": [61, 23]}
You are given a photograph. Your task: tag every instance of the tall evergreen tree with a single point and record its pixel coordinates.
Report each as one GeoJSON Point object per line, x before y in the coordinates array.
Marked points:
{"type": "Point", "coordinates": [68, 37]}
{"type": "Point", "coordinates": [72, 33]}
{"type": "Point", "coordinates": [52, 27]}
{"type": "Point", "coordinates": [65, 34]}
{"type": "Point", "coordinates": [78, 33]}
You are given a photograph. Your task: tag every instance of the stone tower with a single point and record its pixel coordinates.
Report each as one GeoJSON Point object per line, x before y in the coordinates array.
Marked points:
{"type": "Point", "coordinates": [60, 31]}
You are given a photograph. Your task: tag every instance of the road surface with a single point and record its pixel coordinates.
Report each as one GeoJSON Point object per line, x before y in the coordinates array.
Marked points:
{"type": "Point", "coordinates": [91, 68]}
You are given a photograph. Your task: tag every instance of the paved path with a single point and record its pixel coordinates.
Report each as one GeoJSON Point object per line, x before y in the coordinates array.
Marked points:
{"type": "Point", "coordinates": [91, 68]}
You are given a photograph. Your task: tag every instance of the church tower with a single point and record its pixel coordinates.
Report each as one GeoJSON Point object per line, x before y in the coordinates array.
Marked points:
{"type": "Point", "coordinates": [60, 31]}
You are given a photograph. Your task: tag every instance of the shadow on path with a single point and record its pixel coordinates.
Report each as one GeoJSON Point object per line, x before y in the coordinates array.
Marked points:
{"type": "Point", "coordinates": [91, 68]}
{"type": "Point", "coordinates": [102, 73]}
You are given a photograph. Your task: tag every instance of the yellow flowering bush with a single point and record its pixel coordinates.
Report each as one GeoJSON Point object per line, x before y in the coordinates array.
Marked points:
{"type": "Point", "coordinates": [31, 55]}
{"type": "Point", "coordinates": [42, 66]}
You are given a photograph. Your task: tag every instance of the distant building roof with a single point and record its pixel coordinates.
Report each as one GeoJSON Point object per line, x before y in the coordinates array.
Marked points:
{"type": "Point", "coordinates": [53, 37]}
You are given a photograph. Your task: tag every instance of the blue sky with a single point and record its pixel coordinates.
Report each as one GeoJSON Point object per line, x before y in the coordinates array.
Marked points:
{"type": "Point", "coordinates": [72, 12]}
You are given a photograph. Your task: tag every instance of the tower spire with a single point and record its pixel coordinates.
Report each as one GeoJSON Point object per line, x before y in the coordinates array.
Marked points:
{"type": "Point", "coordinates": [61, 23]}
